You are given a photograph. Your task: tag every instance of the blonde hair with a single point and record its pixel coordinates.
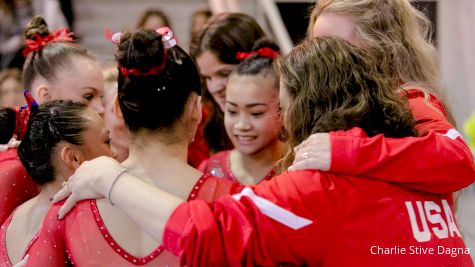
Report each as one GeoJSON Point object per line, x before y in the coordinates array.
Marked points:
{"type": "Point", "coordinates": [332, 85]}
{"type": "Point", "coordinates": [396, 32]}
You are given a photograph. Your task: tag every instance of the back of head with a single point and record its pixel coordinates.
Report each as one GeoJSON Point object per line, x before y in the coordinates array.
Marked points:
{"type": "Point", "coordinates": [396, 32]}
{"type": "Point", "coordinates": [154, 102]}
{"type": "Point", "coordinates": [48, 60]}
{"type": "Point", "coordinates": [333, 85]}
{"type": "Point", "coordinates": [226, 34]}
{"type": "Point", "coordinates": [52, 123]}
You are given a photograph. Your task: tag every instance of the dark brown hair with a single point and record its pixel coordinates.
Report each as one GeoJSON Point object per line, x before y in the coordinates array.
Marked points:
{"type": "Point", "coordinates": [224, 35]}
{"type": "Point", "coordinates": [154, 102]}
{"type": "Point", "coordinates": [53, 122]}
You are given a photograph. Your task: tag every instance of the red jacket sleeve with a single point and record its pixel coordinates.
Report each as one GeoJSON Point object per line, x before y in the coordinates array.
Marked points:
{"type": "Point", "coordinates": [440, 151]}
{"type": "Point", "coordinates": [232, 232]}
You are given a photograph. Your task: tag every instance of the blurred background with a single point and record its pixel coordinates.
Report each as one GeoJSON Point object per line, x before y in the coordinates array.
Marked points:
{"type": "Point", "coordinates": [286, 20]}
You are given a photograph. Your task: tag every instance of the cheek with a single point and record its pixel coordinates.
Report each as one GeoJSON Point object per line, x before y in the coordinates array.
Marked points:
{"type": "Point", "coordinates": [216, 85]}
{"type": "Point", "coordinates": [229, 123]}
{"type": "Point", "coordinates": [274, 124]}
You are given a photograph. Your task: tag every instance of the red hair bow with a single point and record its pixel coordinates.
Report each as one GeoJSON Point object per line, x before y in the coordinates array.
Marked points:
{"type": "Point", "coordinates": [137, 72]}
{"type": "Point", "coordinates": [263, 52]}
{"type": "Point", "coordinates": [21, 121]}
{"type": "Point", "coordinates": [22, 116]}
{"type": "Point", "coordinates": [38, 42]}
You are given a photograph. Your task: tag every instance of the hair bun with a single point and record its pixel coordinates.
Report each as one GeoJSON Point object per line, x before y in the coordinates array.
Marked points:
{"type": "Point", "coordinates": [36, 26]}
{"type": "Point", "coordinates": [141, 49]}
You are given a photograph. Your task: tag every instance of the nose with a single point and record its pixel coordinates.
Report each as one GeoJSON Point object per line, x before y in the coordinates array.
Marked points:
{"type": "Point", "coordinates": [243, 124]}
{"type": "Point", "coordinates": [98, 106]}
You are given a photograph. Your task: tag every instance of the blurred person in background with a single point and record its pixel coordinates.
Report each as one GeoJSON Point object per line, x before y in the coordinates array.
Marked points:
{"type": "Point", "coordinates": [11, 92]}
{"type": "Point", "coordinates": [153, 19]}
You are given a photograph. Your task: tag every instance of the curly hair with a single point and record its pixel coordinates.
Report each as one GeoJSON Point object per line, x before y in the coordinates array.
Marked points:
{"type": "Point", "coordinates": [333, 85]}
{"type": "Point", "coordinates": [395, 31]}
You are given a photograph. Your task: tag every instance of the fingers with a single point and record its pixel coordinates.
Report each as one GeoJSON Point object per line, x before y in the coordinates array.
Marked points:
{"type": "Point", "coordinates": [62, 194]}
{"type": "Point", "coordinates": [307, 164]}
{"type": "Point", "coordinates": [67, 206]}
{"type": "Point", "coordinates": [303, 155]}
{"type": "Point", "coordinates": [13, 143]}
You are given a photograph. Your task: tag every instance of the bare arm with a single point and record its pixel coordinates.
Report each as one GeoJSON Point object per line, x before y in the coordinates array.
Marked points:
{"type": "Point", "coordinates": [148, 206]}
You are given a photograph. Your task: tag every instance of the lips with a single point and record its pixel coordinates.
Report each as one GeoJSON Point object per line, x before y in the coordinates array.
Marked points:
{"type": "Point", "coordinates": [245, 139]}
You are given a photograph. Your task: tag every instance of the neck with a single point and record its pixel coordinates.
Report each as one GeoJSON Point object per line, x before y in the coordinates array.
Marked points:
{"type": "Point", "coordinates": [162, 165]}
{"type": "Point", "coordinates": [259, 164]}
{"type": "Point", "coordinates": [148, 153]}
{"type": "Point", "coordinates": [50, 189]}
{"type": "Point", "coordinates": [268, 156]}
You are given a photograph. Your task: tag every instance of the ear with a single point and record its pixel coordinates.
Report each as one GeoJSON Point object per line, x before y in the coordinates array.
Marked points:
{"type": "Point", "coordinates": [117, 110]}
{"type": "Point", "coordinates": [197, 109]}
{"type": "Point", "coordinates": [43, 93]}
{"type": "Point", "coordinates": [70, 156]}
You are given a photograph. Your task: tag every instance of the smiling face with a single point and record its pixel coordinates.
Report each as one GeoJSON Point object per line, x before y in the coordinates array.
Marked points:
{"type": "Point", "coordinates": [82, 81]}
{"type": "Point", "coordinates": [252, 117]}
{"type": "Point", "coordinates": [216, 75]}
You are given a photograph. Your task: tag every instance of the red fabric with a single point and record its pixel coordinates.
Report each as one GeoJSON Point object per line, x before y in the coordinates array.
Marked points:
{"type": "Point", "coordinates": [16, 186]}
{"type": "Point", "coordinates": [447, 163]}
{"type": "Point", "coordinates": [349, 215]}
{"type": "Point", "coordinates": [219, 165]}
{"type": "Point", "coordinates": [86, 238]}
{"type": "Point", "coordinates": [21, 122]}
{"type": "Point", "coordinates": [263, 52]}
{"type": "Point", "coordinates": [4, 259]}
{"type": "Point", "coordinates": [198, 150]}
{"type": "Point", "coordinates": [38, 42]}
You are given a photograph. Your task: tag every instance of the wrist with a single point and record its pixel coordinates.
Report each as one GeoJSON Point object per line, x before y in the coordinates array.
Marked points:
{"type": "Point", "coordinates": [113, 183]}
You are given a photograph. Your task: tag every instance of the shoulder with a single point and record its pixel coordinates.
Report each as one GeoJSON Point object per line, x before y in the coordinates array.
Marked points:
{"type": "Point", "coordinates": [298, 184]}
{"type": "Point", "coordinates": [10, 154]}
{"type": "Point", "coordinates": [210, 188]}
{"type": "Point", "coordinates": [220, 156]}
{"type": "Point", "coordinates": [420, 97]}
{"type": "Point", "coordinates": [219, 159]}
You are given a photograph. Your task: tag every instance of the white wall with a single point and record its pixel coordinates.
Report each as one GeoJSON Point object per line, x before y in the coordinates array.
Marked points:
{"type": "Point", "coordinates": [456, 34]}
{"type": "Point", "coordinates": [93, 16]}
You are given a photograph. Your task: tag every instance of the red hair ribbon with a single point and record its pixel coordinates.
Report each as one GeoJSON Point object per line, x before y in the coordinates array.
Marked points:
{"type": "Point", "coordinates": [22, 116]}
{"type": "Point", "coordinates": [21, 121]}
{"type": "Point", "coordinates": [263, 52]}
{"type": "Point", "coordinates": [38, 42]}
{"type": "Point", "coordinates": [137, 72]}
{"type": "Point", "coordinates": [168, 40]}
